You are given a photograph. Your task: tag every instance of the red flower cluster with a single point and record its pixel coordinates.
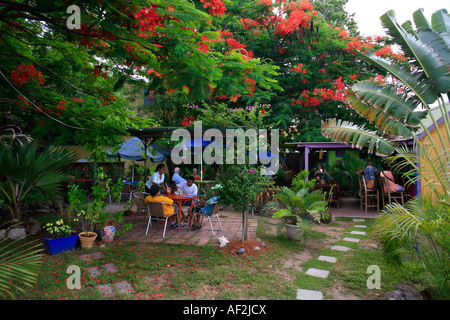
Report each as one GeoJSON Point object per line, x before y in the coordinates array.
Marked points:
{"type": "Point", "coordinates": [187, 121]}
{"type": "Point", "coordinates": [299, 69]}
{"type": "Point", "coordinates": [97, 71]}
{"type": "Point", "coordinates": [217, 7]}
{"type": "Point", "coordinates": [105, 101]}
{"type": "Point", "coordinates": [383, 52]}
{"type": "Point", "coordinates": [90, 33]}
{"type": "Point", "coordinates": [27, 73]}
{"type": "Point", "coordinates": [299, 15]}
{"type": "Point", "coordinates": [203, 47]}
{"type": "Point", "coordinates": [148, 19]}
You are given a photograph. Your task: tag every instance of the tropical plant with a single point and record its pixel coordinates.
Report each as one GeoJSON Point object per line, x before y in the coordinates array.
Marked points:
{"type": "Point", "coordinates": [24, 168]}
{"type": "Point", "coordinates": [299, 208]}
{"type": "Point", "coordinates": [299, 181]}
{"type": "Point", "coordinates": [58, 229]}
{"type": "Point", "coordinates": [344, 172]}
{"type": "Point", "coordinates": [421, 227]}
{"type": "Point", "coordinates": [19, 266]}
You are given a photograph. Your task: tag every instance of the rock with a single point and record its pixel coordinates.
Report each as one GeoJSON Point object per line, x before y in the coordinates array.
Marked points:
{"type": "Point", "coordinates": [263, 244]}
{"type": "Point", "coordinates": [240, 251]}
{"type": "Point", "coordinates": [2, 234]}
{"type": "Point", "coordinates": [256, 248]}
{"type": "Point", "coordinates": [16, 233]}
{"type": "Point", "coordinates": [404, 291]}
{"type": "Point", "coordinates": [409, 291]}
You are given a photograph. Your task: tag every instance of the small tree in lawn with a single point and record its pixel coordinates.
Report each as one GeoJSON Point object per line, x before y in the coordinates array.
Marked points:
{"type": "Point", "coordinates": [241, 185]}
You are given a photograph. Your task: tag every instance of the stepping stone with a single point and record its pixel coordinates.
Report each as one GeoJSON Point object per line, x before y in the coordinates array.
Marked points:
{"type": "Point", "coordinates": [110, 267]}
{"type": "Point", "coordinates": [340, 248]}
{"type": "Point", "coordinates": [327, 259]}
{"type": "Point", "coordinates": [362, 233]}
{"type": "Point", "coordinates": [317, 273]}
{"type": "Point", "coordinates": [107, 291]}
{"type": "Point", "coordinates": [303, 294]}
{"type": "Point", "coordinates": [351, 239]}
{"type": "Point", "coordinates": [360, 226]}
{"type": "Point", "coordinates": [359, 220]}
{"type": "Point", "coordinates": [123, 287]}
{"type": "Point", "coordinates": [91, 256]}
{"type": "Point", "coordinates": [94, 271]}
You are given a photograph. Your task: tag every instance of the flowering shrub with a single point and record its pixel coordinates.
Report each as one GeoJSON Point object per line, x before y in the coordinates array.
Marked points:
{"type": "Point", "coordinates": [58, 229]}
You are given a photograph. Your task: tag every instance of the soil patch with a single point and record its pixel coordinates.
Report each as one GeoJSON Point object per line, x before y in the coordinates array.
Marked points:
{"type": "Point", "coordinates": [234, 245]}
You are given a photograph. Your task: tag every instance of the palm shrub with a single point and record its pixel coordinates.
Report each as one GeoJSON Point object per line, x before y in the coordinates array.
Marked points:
{"type": "Point", "coordinates": [398, 108]}
{"type": "Point", "coordinates": [299, 208]}
{"type": "Point", "coordinates": [23, 168]}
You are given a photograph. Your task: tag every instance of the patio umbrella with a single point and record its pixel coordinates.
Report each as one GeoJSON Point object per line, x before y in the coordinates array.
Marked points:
{"type": "Point", "coordinates": [133, 149]}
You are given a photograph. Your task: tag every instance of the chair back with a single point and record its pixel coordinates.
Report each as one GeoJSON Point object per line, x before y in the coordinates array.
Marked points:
{"type": "Point", "coordinates": [126, 188]}
{"type": "Point", "coordinates": [139, 200]}
{"type": "Point", "coordinates": [361, 182]}
{"type": "Point", "coordinates": [215, 209]}
{"type": "Point", "coordinates": [156, 208]}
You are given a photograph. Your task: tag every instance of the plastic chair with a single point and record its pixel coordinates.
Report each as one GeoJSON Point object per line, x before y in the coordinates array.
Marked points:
{"type": "Point", "coordinates": [214, 212]}
{"type": "Point", "coordinates": [139, 201]}
{"type": "Point", "coordinates": [127, 189]}
{"type": "Point", "coordinates": [398, 195]}
{"type": "Point", "coordinates": [156, 211]}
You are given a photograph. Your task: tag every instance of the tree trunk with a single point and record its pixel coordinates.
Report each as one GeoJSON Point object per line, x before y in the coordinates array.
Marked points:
{"type": "Point", "coordinates": [244, 224]}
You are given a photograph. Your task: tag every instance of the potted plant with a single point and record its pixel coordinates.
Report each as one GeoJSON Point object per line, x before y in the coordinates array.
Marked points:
{"type": "Point", "coordinates": [297, 211]}
{"type": "Point", "coordinates": [60, 237]}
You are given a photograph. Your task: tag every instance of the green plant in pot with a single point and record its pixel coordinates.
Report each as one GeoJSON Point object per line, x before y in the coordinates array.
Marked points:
{"type": "Point", "coordinates": [298, 210]}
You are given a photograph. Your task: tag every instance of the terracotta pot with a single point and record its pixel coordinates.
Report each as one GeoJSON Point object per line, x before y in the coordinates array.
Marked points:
{"type": "Point", "coordinates": [292, 232]}
{"type": "Point", "coordinates": [87, 239]}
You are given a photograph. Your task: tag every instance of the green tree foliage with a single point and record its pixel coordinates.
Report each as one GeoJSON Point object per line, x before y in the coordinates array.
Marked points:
{"type": "Point", "coordinates": [63, 84]}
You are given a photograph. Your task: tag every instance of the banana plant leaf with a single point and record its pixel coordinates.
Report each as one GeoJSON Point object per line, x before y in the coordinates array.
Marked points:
{"type": "Point", "coordinates": [432, 64]}
{"type": "Point", "coordinates": [349, 133]}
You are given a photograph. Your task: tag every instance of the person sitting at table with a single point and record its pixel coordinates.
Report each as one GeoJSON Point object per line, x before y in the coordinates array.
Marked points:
{"type": "Point", "coordinates": [157, 178]}
{"type": "Point", "coordinates": [393, 187]}
{"type": "Point", "coordinates": [195, 175]}
{"type": "Point", "coordinates": [176, 177]}
{"type": "Point", "coordinates": [188, 188]}
{"type": "Point", "coordinates": [321, 172]}
{"type": "Point", "coordinates": [155, 195]}
{"type": "Point", "coordinates": [205, 207]}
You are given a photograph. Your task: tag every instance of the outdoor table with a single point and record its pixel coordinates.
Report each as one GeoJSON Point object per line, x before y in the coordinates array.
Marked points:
{"type": "Point", "coordinates": [179, 199]}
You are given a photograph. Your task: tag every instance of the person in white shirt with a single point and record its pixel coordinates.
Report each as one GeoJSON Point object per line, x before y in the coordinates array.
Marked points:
{"type": "Point", "coordinates": [188, 188]}
{"type": "Point", "coordinates": [177, 178]}
{"type": "Point", "coordinates": [157, 177]}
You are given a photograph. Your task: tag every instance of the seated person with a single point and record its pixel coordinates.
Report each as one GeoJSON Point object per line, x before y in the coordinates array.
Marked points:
{"type": "Point", "coordinates": [188, 188]}
{"type": "Point", "coordinates": [155, 195]}
{"type": "Point", "coordinates": [157, 178]}
{"type": "Point", "coordinates": [321, 171]}
{"type": "Point", "coordinates": [195, 175]}
{"type": "Point", "coordinates": [319, 179]}
{"type": "Point", "coordinates": [177, 178]}
{"type": "Point", "coordinates": [369, 174]}
{"type": "Point", "coordinates": [393, 187]}
{"type": "Point", "coordinates": [205, 207]}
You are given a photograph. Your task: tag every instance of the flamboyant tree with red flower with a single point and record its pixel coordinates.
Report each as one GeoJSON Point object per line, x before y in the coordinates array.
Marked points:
{"type": "Point", "coordinates": [316, 59]}
{"type": "Point", "coordinates": [62, 82]}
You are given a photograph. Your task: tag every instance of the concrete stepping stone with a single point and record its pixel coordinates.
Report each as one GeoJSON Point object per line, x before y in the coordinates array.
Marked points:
{"type": "Point", "coordinates": [317, 273]}
{"type": "Point", "coordinates": [303, 294]}
{"type": "Point", "coordinates": [362, 233]}
{"type": "Point", "coordinates": [124, 287]}
{"type": "Point", "coordinates": [351, 239]}
{"type": "Point", "coordinates": [360, 226]}
{"type": "Point", "coordinates": [91, 256]}
{"type": "Point", "coordinates": [359, 220]}
{"type": "Point", "coordinates": [327, 259]}
{"type": "Point", "coordinates": [94, 271]}
{"type": "Point", "coordinates": [340, 248]}
{"type": "Point", "coordinates": [110, 268]}
{"type": "Point", "coordinates": [106, 290]}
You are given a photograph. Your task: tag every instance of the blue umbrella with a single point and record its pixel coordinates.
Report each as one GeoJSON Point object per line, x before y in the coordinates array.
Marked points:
{"type": "Point", "coordinates": [133, 149]}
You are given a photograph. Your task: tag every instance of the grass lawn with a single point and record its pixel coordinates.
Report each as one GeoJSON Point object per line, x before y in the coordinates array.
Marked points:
{"type": "Point", "coordinates": [180, 272]}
